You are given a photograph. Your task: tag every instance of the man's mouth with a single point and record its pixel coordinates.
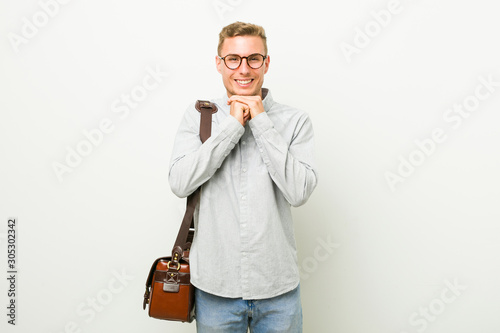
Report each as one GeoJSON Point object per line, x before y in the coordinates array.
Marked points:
{"type": "Point", "coordinates": [244, 82]}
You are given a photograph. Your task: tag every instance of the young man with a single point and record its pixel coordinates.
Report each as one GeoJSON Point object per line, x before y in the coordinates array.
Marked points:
{"type": "Point", "coordinates": [257, 163]}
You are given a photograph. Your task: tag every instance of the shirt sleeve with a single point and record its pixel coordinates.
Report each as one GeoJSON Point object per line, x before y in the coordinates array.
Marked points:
{"type": "Point", "coordinates": [192, 162]}
{"type": "Point", "coordinates": [290, 165]}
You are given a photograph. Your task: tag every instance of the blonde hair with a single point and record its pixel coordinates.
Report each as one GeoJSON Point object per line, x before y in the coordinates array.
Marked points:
{"type": "Point", "coordinates": [241, 29]}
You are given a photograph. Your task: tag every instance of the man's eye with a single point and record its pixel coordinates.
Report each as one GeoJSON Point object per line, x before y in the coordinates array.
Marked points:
{"type": "Point", "coordinates": [232, 59]}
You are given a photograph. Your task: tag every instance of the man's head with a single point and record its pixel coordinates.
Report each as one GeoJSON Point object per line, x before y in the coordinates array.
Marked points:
{"type": "Point", "coordinates": [240, 40]}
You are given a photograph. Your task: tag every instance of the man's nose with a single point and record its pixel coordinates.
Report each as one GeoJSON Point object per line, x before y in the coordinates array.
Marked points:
{"type": "Point", "coordinates": [244, 68]}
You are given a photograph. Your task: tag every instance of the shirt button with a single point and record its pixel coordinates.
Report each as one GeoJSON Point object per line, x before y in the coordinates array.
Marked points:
{"type": "Point", "coordinates": [244, 170]}
{"type": "Point", "coordinates": [243, 197]}
{"type": "Point", "coordinates": [243, 142]}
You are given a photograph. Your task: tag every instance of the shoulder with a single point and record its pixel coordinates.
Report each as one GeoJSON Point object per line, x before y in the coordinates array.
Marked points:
{"type": "Point", "coordinates": [287, 113]}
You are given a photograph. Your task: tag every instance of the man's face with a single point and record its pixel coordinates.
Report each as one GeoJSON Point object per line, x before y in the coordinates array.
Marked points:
{"type": "Point", "coordinates": [243, 81]}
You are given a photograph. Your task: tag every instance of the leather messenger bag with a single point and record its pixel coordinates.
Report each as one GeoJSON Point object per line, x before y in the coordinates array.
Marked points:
{"type": "Point", "coordinates": [169, 291]}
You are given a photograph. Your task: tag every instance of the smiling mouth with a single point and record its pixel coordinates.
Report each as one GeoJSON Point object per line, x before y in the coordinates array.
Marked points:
{"type": "Point", "coordinates": [244, 82]}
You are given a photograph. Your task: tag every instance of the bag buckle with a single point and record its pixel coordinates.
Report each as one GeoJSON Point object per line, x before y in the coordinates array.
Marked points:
{"type": "Point", "coordinates": [178, 265]}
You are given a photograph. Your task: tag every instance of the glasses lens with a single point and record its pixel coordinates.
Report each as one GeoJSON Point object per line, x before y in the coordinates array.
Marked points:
{"type": "Point", "coordinates": [255, 61]}
{"type": "Point", "coordinates": [232, 61]}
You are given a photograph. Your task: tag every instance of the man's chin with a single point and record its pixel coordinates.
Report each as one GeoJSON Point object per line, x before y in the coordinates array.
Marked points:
{"type": "Point", "coordinates": [247, 92]}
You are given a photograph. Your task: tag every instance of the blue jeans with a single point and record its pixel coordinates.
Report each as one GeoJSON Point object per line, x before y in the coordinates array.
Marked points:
{"type": "Point", "coordinates": [216, 314]}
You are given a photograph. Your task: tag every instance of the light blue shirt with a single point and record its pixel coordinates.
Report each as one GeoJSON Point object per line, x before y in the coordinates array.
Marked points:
{"type": "Point", "coordinates": [244, 244]}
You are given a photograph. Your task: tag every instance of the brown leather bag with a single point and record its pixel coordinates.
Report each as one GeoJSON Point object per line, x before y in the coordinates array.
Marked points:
{"type": "Point", "coordinates": [169, 292]}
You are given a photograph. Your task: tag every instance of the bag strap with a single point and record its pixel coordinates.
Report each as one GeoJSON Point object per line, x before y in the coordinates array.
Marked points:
{"type": "Point", "coordinates": [186, 230]}
{"type": "Point", "coordinates": [206, 109]}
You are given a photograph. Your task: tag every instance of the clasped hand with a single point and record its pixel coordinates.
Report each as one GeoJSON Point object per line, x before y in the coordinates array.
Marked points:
{"type": "Point", "coordinates": [244, 108]}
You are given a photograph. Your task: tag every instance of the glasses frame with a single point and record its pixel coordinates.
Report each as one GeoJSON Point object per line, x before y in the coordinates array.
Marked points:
{"type": "Point", "coordinates": [241, 60]}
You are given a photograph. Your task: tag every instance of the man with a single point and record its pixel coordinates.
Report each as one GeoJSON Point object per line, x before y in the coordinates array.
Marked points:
{"type": "Point", "coordinates": [257, 163]}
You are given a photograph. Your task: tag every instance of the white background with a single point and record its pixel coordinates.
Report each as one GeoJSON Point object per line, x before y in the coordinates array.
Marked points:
{"type": "Point", "coordinates": [373, 258]}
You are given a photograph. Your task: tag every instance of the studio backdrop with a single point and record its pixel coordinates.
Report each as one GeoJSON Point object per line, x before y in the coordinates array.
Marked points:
{"type": "Point", "coordinates": [402, 232]}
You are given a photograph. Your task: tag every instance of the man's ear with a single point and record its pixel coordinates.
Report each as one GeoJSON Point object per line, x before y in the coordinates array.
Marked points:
{"type": "Point", "coordinates": [218, 64]}
{"type": "Point", "coordinates": [266, 63]}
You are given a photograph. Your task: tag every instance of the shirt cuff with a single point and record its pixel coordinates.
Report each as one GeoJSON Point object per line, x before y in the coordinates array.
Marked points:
{"type": "Point", "coordinates": [260, 124]}
{"type": "Point", "coordinates": [232, 128]}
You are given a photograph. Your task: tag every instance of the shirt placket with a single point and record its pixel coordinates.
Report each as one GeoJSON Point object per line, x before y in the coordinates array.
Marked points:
{"type": "Point", "coordinates": [244, 215]}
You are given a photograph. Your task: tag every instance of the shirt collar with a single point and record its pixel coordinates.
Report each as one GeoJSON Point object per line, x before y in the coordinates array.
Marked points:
{"type": "Point", "coordinates": [267, 99]}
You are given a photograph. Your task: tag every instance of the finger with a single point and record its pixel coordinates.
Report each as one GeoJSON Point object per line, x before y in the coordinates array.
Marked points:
{"type": "Point", "coordinates": [236, 98]}
{"type": "Point", "coordinates": [240, 106]}
{"type": "Point", "coordinates": [255, 97]}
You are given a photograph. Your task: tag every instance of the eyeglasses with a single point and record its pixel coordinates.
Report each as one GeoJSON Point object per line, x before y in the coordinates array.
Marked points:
{"type": "Point", "coordinates": [233, 61]}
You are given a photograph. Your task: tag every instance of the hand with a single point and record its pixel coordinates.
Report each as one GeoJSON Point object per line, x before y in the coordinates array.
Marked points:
{"type": "Point", "coordinates": [240, 111]}
{"type": "Point", "coordinates": [252, 102]}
